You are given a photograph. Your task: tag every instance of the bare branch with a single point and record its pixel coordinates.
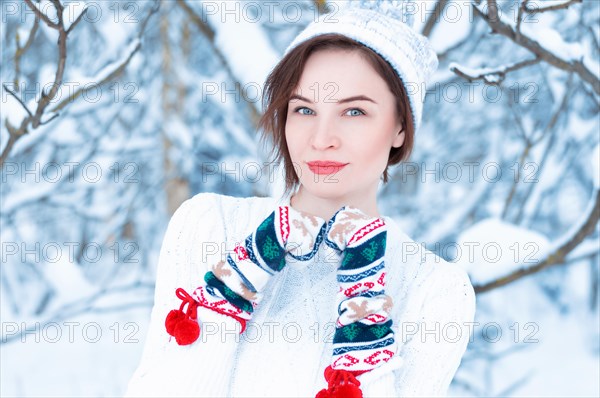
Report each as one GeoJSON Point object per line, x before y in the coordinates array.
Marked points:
{"type": "Point", "coordinates": [492, 10]}
{"type": "Point", "coordinates": [534, 9]}
{"type": "Point", "coordinates": [42, 122]}
{"type": "Point", "coordinates": [77, 21]}
{"type": "Point", "coordinates": [12, 138]}
{"type": "Point", "coordinates": [21, 50]}
{"type": "Point", "coordinates": [18, 99]}
{"type": "Point", "coordinates": [152, 11]}
{"type": "Point", "coordinates": [41, 15]}
{"type": "Point", "coordinates": [434, 17]}
{"type": "Point", "coordinates": [520, 15]}
{"type": "Point", "coordinates": [60, 69]}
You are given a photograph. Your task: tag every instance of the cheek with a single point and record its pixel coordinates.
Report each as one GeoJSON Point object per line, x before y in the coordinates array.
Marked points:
{"type": "Point", "coordinates": [292, 145]}
{"type": "Point", "coordinates": [294, 139]}
{"type": "Point", "coordinates": [373, 154]}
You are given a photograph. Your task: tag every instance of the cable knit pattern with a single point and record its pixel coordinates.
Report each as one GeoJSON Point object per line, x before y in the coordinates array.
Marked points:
{"type": "Point", "coordinates": [289, 341]}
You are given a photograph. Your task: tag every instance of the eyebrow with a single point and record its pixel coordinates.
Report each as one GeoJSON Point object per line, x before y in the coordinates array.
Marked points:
{"type": "Point", "coordinates": [342, 101]}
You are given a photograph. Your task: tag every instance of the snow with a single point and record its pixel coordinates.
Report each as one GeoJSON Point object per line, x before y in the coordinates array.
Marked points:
{"type": "Point", "coordinates": [46, 76]}
{"type": "Point", "coordinates": [12, 109]}
{"type": "Point", "coordinates": [115, 32]}
{"type": "Point", "coordinates": [65, 132]}
{"type": "Point", "coordinates": [63, 273]}
{"type": "Point", "coordinates": [453, 27]}
{"type": "Point", "coordinates": [552, 41]}
{"type": "Point", "coordinates": [492, 248]}
{"type": "Point", "coordinates": [98, 348]}
{"type": "Point", "coordinates": [111, 67]}
{"type": "Point", "coordinates": [240, 41]}
{"type": "Point", "coordinates": [179, 132]}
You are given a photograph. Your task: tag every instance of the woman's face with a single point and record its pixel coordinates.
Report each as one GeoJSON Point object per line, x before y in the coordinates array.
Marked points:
{"type": "Point", "coordinates": [347, 114]}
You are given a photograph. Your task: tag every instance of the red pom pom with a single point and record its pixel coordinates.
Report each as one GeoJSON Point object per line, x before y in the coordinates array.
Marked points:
{"type": "Point", "coordinates": [173, 318]}
{"type": "Point", "coordinates": [346, 391]}
{"type": "Point", "coordinates": [323, 394]}
{"type": "Point", "coordinates": [342, 384]}
{"type": "Point", "coordinates": [186, 331]}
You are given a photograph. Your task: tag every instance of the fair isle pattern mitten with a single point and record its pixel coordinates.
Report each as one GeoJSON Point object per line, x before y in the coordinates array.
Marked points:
{"type": "Point", "coordinates": [363, 338]}
{"type": "Point", "coordinates": [233, 287]}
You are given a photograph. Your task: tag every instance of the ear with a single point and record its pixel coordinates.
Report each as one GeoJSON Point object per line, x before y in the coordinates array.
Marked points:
{"type": "Point", "coordinates": [399, 139]}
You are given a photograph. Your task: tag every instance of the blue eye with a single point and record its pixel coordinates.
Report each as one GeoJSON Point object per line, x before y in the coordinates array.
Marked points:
{"type": "Point", "coordinates": [300, 108]}
{"type": "Point", "coordinates": [356, 109]}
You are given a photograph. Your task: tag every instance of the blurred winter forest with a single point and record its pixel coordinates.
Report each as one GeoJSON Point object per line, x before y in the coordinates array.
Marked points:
{"type": "Point", "coordinates": [115, 112]}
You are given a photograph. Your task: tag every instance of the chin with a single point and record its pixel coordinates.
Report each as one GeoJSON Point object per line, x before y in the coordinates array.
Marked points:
{"type": "Point", "coordinates": [323, 189]}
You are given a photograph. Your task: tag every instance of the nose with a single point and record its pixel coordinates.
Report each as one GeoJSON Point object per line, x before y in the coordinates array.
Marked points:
{"type": "Point", "coordinates": [325, 134]}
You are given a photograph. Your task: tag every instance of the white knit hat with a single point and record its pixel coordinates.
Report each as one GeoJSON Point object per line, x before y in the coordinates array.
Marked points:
{"type": "Point", "coordinates": [381, 26]}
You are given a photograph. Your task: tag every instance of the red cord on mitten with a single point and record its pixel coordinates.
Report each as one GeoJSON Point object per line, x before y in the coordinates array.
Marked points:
{"type": "Point", "coordinates": [341, 384]}
{"type": "Point", "coordinates": [183, 325]}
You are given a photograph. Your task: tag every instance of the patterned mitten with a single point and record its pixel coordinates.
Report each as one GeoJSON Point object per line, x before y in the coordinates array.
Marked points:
{"type": "Point", "coordinates": [233, 287]}
{"type": "Point", "coordinates": [363, 338]}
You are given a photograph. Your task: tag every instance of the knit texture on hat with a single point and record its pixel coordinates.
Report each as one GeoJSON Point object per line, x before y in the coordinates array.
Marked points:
{"type": "Point", "coordinates": [380, 27]}
{"type": "Point", "coordinates": [363, 338]}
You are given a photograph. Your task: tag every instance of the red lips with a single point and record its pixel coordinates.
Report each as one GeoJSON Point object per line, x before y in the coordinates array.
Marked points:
{"type": "Point", "coordinates": [325, 166]}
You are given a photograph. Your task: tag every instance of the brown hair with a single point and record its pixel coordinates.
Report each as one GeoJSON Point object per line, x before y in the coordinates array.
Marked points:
{"type": "Point", "coordinates": [284, 78]}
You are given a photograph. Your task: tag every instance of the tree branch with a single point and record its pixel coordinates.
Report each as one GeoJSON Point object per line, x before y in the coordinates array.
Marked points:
{"type": "Point", "coordinates": [18, 99]}
{"type": "Point", "coordinates": [41, 15]}
{"type": "Point", "coordinates": [434, 18]}
{"type": "Point", "coordinates": [210, 35]}
{"type": "Point", "coordinates": [21, 50]}
{"type": "Point", "coordinates": [493, 20]}
{"type": "Point", "coordinates": [534, 9]}
{"type": "Point", "coordinates": [558, 256]}
{"type": "Point", "coordinates": [35, 120]}
{"type": "Point", "coordinates": [493, 76]}
{"type": "Point", "coordinates": [76, 21]}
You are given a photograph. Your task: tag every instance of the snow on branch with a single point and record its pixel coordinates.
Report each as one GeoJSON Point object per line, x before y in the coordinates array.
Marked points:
{"type": "Point", "coordinates": [557, 55]}
{"type": "Point", "coordinates": [106, 74]}
{"type": "Point", "coordinates": [35, 119]}
{"type": "Point", "coordinates": [41, 116]}
{"type": "Point", "coordinates": [492, 76]}
{"type": "Point", "coordinates": [559, 250]}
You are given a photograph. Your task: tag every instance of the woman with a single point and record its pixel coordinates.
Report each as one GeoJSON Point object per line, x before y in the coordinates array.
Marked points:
{"type": "Point", "coordinates": [292, 309]}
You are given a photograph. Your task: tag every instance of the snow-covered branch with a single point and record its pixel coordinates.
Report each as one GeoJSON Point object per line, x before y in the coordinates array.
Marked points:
{"type": "Point", "coordinates": [550, 54]}
{"type": "Point", "coordinates": [561, 248]}
{"type": "Point", "coordinates": [35, 120]}
{"type": "Point", "coordinates": [492, 76]}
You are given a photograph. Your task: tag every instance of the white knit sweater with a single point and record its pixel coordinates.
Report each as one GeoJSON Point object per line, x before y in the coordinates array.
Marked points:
{"type": "Point", "coordinates": [288, 343]}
